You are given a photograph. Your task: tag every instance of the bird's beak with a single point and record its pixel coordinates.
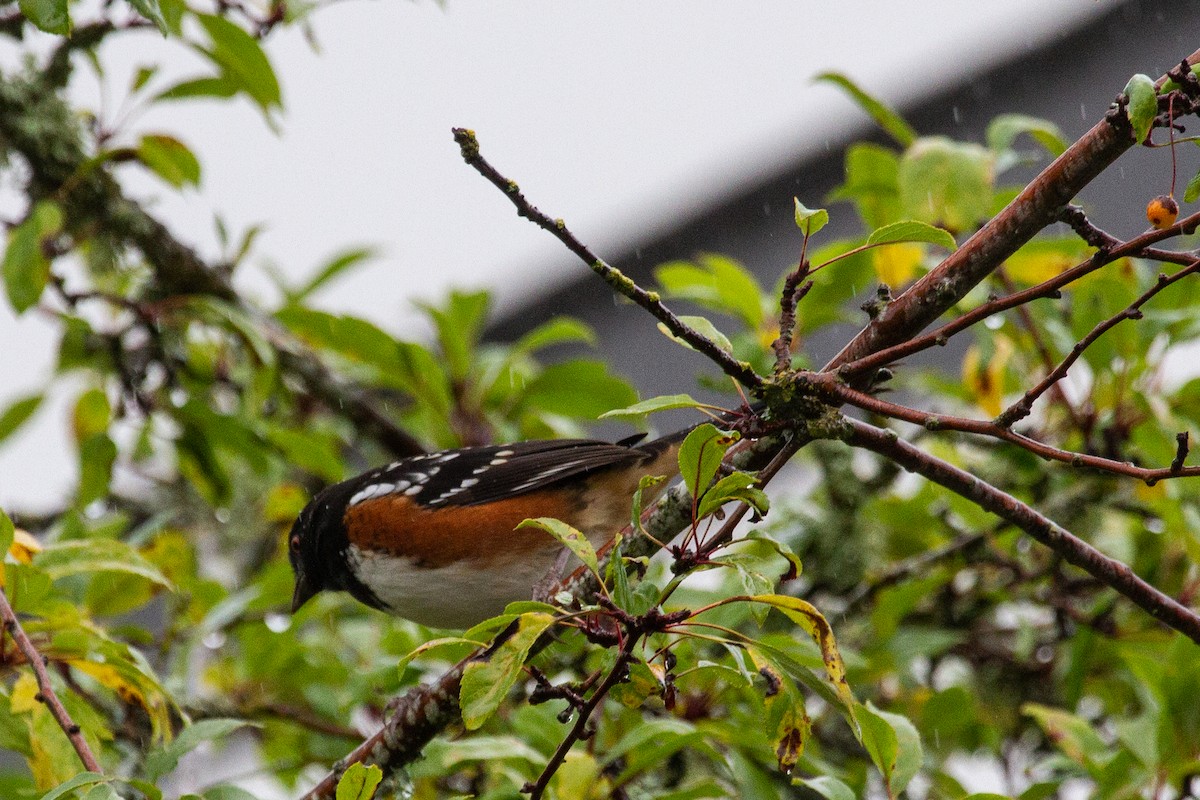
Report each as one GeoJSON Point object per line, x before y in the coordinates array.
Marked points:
{"type": "Point", "coordinates": [304, 592]}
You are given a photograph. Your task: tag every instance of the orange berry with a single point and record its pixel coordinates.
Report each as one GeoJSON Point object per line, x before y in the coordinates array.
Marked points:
{"type": "Point", "coordinates": [1162, 211]}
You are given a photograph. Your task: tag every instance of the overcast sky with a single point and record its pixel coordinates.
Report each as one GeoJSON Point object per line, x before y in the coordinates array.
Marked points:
{"type": "Point", "coordinates": [621, 117]}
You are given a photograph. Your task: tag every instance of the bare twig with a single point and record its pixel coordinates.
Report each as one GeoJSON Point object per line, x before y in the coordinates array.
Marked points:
{"type": "Point", "coordinates": [1074, 550]}
{"type": "Point", "coordinates": [45, 689]}
{"type": "Point", "coordinates": [739, 370]}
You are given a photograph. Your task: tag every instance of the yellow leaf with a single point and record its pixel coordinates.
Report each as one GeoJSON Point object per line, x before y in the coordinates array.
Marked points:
{"type": "Point", "coordinates": [986, 382]}
{"type": "Point", "coordinates": [24, 694]}
{"type": "Point", "coordinates": [896, 264]}
{"type": "Point", "coordinates": [24, 547]}
{"type": "Point", "coordinates": [129, 691]}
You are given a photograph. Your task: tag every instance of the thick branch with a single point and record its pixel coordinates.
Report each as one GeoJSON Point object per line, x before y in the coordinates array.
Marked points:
{"type": "Point", "coordinates": [45, 689]}
{"type": "Point", "coordinates": [1074, 550]}
{"type": "Point", "coordinates": [1033, 209]}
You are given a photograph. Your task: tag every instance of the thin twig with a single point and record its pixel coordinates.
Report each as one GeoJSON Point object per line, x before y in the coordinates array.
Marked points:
{"type": "Point", "coordinates": [795, 287]}
{"type": "Point", "coordinates": [1021, 409]}
{"type": "Point", "coordinates": [1074, 550]}
{"type": "Point", "coordinates": [739, 370]}
{"type": "Point", "coordinates": [1049, 288]}
{"type": "Point", "coordinates": [583, 716]}
{"type": "Point", "coordinates": [45, 689]}
{"type": "Point", "coordinates": [830, 387]}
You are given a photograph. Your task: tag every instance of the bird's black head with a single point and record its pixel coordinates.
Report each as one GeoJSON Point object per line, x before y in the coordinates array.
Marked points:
{"type": "Point", "coordinates": [316, 547]}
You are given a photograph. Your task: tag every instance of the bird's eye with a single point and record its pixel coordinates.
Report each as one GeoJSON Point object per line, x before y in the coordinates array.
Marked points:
{"type": "Point", "coordinates": [295, 542]}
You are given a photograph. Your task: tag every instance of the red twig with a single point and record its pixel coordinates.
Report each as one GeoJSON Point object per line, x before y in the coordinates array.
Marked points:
{"type": "Point", "coordinates": [1049, 288]}
{"type": "Point", "coordinates": [833, 389]}
{"type": "Point", "coordinates": [1020, 409]}
{"type": "Point", "coordinates": [45, 689]}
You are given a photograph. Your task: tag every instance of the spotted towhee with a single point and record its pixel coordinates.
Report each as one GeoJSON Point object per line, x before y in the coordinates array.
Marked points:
{"type": "Point", "coordinates": [434, 538]}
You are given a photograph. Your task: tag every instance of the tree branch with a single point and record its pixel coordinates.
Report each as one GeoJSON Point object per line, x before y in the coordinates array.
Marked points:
{"type": "Point", "coordinates": [1020, 409]}
{"type": "Point", "coordinates": [739, 370]}
{"type": "Point", "coordinates": [1074, 550]}
{"type": "Point", "coordinates": [838, 392]}
{"type": "Point", "coordinates": [1037, 206]}
{"type": "Point", "coordinates": [45, 689]}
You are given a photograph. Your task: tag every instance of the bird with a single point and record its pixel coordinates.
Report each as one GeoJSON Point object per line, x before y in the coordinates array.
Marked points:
{"type": "Point", "coordinates": [433, 538]}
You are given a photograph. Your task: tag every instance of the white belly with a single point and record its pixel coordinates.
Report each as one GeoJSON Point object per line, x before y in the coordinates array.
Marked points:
{"type": "Point", "coordinates": [456, 595]}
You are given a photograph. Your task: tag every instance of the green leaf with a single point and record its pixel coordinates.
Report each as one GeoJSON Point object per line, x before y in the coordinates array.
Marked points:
{"type": "Point", "coordinates": [92, 415]}
{"type": "Point", "coordinates": [701, 454]}
{"type": "Point", "coordinates": [459, 322]}
{"type": "Point", "coordinates": [97, 454]}
{"type": "Point", "coordinates": [17, 414]}
{"type": "Point", "coordinates": [335, 267]}
{"type": "Point", "coordinates": [26, 267]}
{"type": "Point", "coordinates": [1192, 192]}
{"type": "Point", "coordinates": [51, 16]}
{"type": "Point", "coordinates": [570, 538]}
{"type": "Point", "coordinates": [435, 644]}
{"type": "Point", "coordinates": [199, 87]}
{"type": "Point", "coordinates": [885, 117]}
{"type": "Point", "coordinates": [701, 326]}
{"type": "Point", "coordinates": [161, 762]}
{"type": "Point", "coordinates": [580, 388]}
{"type": "Point", "coordinates": [359, 782]}
{"type": "Point", "coordinates": [87, 556]}
{"type": "Point", "coordinates": [242, 61]}
{"type": "Point", "coordinates": [716, 282]}
{"type": "Point", "coordinates": [559, 330]}
{"type": "Point", "coordinates": [810, 220]}
{"type": "Point", "coordinates": [1074, 736]}
{"type": "Point", "coordinates": [910, 230]}
{"type": "Point", "coordinates": [78, 782]}
{"type": "Point", "coordinates": [894, 746]}
{"type": "Point", "coordinates": [736, 486]}
{"type": "Point", "coordinates": [7, 531]}
{"type": "Point", "coordinates": [485, 684]}
{"type": "Point", "coordinates": [649, 406]}
{"type": "Point", "coordinates": [947, 183]}
{"type": "Point", "coordinates": [1004, 129]}
{"type": "Point", "coordinates": [1142, 106]}
{"type": "Point", "coordinates": [872, 183]}
{"type": "Point", "coordinates": [827, 787]}
{"type": "Point", "coordinates": [151, 10]}
{"type": "Point", "coordinates": [170, 159]}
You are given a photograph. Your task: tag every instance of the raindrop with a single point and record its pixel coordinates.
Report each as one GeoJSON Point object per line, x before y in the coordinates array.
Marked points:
{"type": "Point", "coordinates": [214, 640]}
{"type": "Point", "coordinates": [222, 515]}
{"type": "Point", "coordinates": [94, 510]}
{"type": "Point", "coordinates": [994, 323]}
{"type": "Point", "coordinates": [957, 115]}
{"type": "Point", "coordinates": [1044, 654]}
{"type": "Point", "coordinates": [1155, 525]}
{"type": "Point", "coordinates": [1082, 111]}
{"type": "Point", "coordinates": [277, 622]}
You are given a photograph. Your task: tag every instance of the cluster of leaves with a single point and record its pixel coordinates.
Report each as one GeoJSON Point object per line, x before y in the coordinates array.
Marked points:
{"type": "Point", "coordinates": [202, 422]}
